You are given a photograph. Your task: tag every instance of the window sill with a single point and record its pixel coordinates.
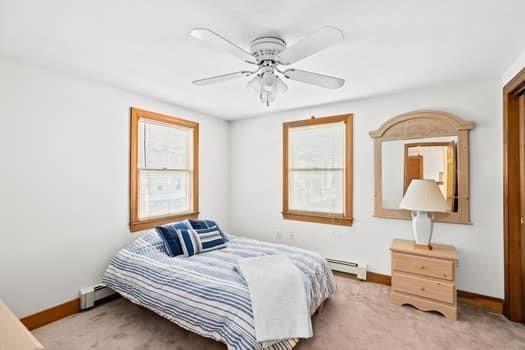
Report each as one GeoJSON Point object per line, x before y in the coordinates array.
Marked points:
{"type": "Point", "coordinates": [145, 224]}
{"type": "Point", "coordinates": [318, 218]}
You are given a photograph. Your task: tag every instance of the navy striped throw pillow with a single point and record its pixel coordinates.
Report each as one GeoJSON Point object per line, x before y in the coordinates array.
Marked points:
{"type": "Point", "coordinates": [200, 241]}
{"type": "Point", "coordinates": [204, 224]}
{"type": "Point", "coordinates": [201, 224]}
{"type": "Point", "coordinates": [168, 233]}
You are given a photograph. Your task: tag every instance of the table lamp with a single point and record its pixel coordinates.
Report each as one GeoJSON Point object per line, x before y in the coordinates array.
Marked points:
{"type": "Point", "coordinates": [423, 197]}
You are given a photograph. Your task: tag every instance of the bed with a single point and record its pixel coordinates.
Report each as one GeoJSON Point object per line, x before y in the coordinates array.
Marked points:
{"type": "Point", "coordinates": [203, 293]}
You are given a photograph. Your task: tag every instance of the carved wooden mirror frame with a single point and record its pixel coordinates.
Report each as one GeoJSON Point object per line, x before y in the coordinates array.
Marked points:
{"type": "Point", "coordinates": [425, 124]}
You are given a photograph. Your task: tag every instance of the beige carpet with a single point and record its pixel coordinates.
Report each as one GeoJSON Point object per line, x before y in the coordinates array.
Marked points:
{"type": "Point", "coordinates": [358, 316]}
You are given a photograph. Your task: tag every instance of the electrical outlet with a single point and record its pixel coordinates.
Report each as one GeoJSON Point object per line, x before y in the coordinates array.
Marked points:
{"type": "Point", "coordinates": [279, 235]}
{"type": "Point", "coordinates": [291, 236]}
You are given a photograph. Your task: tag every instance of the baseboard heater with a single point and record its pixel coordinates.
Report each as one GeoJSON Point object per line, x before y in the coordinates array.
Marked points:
{"type": "Point", "coordinates": [358, 269]}
{"type": "Point", "coordinates": [95, 295]}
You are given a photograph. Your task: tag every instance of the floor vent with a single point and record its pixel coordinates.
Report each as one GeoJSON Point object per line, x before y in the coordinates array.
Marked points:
{"type": "Point", "coordinates": [357, 269]}
{"type": "Point", "coordinates": [95, 295]}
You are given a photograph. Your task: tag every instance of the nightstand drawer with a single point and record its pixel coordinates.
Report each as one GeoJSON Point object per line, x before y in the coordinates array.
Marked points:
{"type": "Point", "coordinates": [428, 288]}
{"type": "Point", "coordinates": [423, 266]}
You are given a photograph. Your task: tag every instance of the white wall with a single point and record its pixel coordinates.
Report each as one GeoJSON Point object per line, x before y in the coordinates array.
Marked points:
{"type": "Point", "coordinates": [514, 68]}
{"type": "Point", "coordinates": [256, 153]}
{"type": "Point", "coordinates": [64, 146]}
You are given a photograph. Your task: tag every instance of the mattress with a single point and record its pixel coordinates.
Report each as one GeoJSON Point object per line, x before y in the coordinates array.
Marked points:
{"type": "Point", "coordinates": [203, 293]}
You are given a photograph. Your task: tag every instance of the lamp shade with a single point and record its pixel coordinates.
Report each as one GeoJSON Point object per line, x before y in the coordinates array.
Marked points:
{"type": "Point", "coordinates": [424, 195]}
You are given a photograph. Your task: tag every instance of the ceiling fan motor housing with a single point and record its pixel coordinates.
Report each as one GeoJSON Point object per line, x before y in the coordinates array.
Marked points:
{"type": "Point", "coordinates": [267, 48]}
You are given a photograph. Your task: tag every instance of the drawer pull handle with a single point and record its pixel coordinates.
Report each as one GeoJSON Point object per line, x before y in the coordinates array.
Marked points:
{"type": "Point", "coordinates": [422, 289]}
{"type": "Point", "coordinates": [422, 267]}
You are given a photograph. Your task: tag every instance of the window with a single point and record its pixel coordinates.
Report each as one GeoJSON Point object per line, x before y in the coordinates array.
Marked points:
{"type": "Point", "coordinates": [317, 170]}
{"type": "Point", "coordinates": [164, 169]}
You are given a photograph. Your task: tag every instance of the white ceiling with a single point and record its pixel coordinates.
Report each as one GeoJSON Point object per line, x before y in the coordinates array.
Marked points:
{"type": "Point", "coordinates": [144, 46]}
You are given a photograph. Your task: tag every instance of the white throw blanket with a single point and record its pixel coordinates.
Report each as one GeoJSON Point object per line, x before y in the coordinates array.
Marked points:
{"type": "Point", "coordinates": [279, 302]}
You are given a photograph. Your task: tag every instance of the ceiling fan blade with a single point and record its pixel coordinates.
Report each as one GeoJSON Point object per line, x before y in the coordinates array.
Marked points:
{"type": "Point", "coordinates": [322, 80]}
{"type": "Point", "coordinates": [220, 43]}
{"type": "Point", "coordinates": [221, 78]}
{"type": "Point", "coordinates": [315, 42]}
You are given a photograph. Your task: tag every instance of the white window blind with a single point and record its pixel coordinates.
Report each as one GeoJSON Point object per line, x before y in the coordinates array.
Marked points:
{"type": "Point", "coordinates": [165, 168]}
{"type": "Point", "coordinates": [317, 168]}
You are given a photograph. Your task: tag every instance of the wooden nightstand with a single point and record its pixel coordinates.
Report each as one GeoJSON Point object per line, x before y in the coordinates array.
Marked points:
{"type": "Point", "coordinates": [424, 278]}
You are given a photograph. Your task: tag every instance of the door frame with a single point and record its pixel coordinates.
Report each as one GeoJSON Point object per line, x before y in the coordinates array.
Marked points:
{"type": "Point", "coordinates": [514, 246]}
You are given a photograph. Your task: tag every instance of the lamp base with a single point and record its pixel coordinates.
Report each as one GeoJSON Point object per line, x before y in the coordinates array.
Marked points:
{"type": "Point", "coordinates": [422, 228]}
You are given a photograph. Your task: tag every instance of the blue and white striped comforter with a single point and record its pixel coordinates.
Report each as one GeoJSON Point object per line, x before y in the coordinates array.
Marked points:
{"type": "Point", "coordinates": [203, 293]}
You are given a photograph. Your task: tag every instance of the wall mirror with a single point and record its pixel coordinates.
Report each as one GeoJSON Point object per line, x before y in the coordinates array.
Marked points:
{"type": "Point", "coordinates": [422, 145]}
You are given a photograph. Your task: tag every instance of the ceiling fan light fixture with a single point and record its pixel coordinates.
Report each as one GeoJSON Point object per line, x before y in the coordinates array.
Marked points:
{"type": "Point", "coordinates": [267, 93]}
{"type": "Point", "coordinates": [267, 97]}
{"type": "Point", "coordinates": [268, 81]}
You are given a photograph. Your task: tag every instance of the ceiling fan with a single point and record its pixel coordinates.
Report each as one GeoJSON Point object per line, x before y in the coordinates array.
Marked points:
{"type": "Point", "coordinates": [269, 52]}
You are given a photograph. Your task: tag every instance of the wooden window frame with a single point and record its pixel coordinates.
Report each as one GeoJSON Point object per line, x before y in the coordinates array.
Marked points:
{"type": "Point", "coordinates": [346, 218]}
{"type": "Point", "coordinates": [135, 223]}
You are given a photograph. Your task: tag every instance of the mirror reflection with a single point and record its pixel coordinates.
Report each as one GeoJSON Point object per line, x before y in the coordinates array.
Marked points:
{"type": "Point", "coordinates": [427, 158]}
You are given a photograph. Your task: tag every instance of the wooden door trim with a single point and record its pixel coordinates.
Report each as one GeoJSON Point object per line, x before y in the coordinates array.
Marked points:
{"type": "Point", "coordinates": [521, 115]}
{"type": "Point", "coordinates": [406, 177]}
{"type": "Point", "coordinates": [513, 307]}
